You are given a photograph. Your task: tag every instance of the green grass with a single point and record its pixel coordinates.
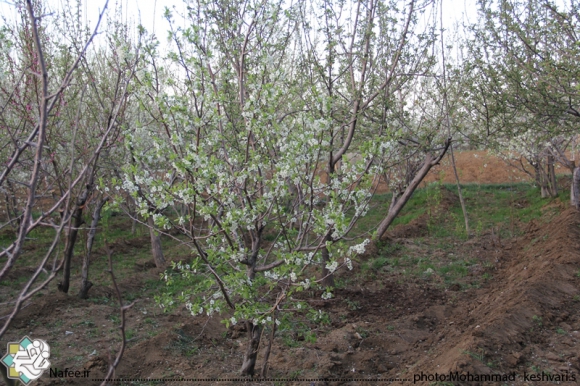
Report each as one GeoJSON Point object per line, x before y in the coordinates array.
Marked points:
{"type": "Point", "coordinates": [451, 269]}
{"type": "Point", "coordinates": [353, 305]}
{"type": "Point", "coordinates": [375, 214]}
{"type": "Point", "coordinates": [85, 323]}
{"type": "Point", "coordinates": [184, 344]}
{"type": "Point", "coordinates": [363, 332]}
{"type": "Point", "coordinates": [454, 270]}
{"type": "Point", "coordinates": [130, 334]}
{"type": "Point", "coordinates": [504, 207]}
{"type": "Point", "coordinates": [114, 228]}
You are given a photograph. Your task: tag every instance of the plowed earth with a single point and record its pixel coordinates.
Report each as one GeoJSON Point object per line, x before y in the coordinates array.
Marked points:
{"type": "Point", "coordinates": [516, 311]}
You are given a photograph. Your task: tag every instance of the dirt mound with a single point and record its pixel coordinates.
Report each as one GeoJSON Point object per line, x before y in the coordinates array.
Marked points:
{"type": "Point", "coordinates": [184, 341]}
{"type": "Point", "coordinates": [513, 306]}
{"type": "Point", "coordinates": [474, 166]}
{"type": "Point", "coordinates": [530, 319]}
{"type": "Point", "coordinates": [416, 228]}
{"type": "Point", "coordinates": [18, 272]}
{"type": "Point", "coordinates": [33, 311]}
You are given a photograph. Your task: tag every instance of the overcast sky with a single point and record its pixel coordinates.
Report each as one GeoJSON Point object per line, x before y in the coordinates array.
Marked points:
{"type": "Point", "coordinates": [149, 13]}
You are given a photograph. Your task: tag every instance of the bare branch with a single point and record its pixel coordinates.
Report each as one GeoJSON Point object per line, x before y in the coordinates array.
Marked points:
{"type": "Point", "coordinates": [123, 309]}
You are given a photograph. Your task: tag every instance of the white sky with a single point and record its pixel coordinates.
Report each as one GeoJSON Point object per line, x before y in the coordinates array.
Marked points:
{"type": "Point", "coordinates": [149, 13]}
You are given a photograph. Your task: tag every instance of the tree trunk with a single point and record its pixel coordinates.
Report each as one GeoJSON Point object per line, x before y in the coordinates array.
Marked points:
{"type": "Point", "coordinates": [542, 183]}
{"type": "Point", "coordinates": [398, 203]}
{"type": "Point", "coordinates": [552, 182]}
{"type": "Point", "coordinates": [269, 348]}
{"type": "Point", "coordinates": [575, 189]}
{"type": "Point", "coordinates": [133, 223]}
{"type": "Point", "coordinates": [155, 244]}
{"type": "Point", "coordinates": [461, 200]}
{"type": "Point", "coordinates": [12, 210]}
{"type": "Point", "coordinates": [85, 283]}
{"type": "Point", "coordinates": [254, 335]}
{"type": "Point", "coordinates": [328, 277]}
{"type": "Point", "coordinates": [538, 176]}
{"type": "Point", "coordinates": [71, 240]}
{"type": "Point", "coordinates": [542, 178]}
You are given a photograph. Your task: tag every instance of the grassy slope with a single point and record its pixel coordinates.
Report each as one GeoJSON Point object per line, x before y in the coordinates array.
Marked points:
{"type": "Point", "coordinates": [444, 257]}
{"type": "Point", "coordinates": [504, 207]}
{"type": "Point", "coordinates": [488, 206]}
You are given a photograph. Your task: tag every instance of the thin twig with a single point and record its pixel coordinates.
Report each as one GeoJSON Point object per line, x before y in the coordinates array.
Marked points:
{"type": "Point", "coordinates": [123, 309]}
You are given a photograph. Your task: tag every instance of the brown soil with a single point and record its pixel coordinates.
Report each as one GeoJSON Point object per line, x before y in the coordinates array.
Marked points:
{"type": "Point", "coordinates": [511, 325]}
{"type": "Point", "coordinates": [525, 319]}
{"type": "Point", "coordinates": [475, 166]}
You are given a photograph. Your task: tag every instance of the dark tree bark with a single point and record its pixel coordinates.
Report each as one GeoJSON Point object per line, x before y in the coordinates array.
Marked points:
{"type": "Point", "coordinates": [85, 283]}
{"type": "Point", "coordinates": [254, 334]}
{"type": "Point", "coordinates": [269, 348]}
{"type": "Point", "coordinates": [77, 218]}
{"type": "Point", "coordinates": [399, 202]}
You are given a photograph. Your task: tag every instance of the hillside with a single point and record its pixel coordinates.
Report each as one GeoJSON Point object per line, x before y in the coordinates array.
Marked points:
{"type": "Point", "coordinates": [425, 300]}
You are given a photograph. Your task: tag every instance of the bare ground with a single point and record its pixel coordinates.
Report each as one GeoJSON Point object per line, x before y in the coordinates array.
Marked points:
{"type": "Point", "coordinates": [517, 310]}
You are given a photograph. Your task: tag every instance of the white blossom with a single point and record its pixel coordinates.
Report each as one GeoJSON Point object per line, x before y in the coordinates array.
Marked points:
{"type": "Point", "coordinates": [359, 248]}
{"type": "Point", "coordinates": [332, 266]}
{"type": "Point", "coordinates": [327, 295]}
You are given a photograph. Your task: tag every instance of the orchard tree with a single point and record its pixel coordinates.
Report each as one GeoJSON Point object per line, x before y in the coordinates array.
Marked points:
{"type": "Point", "coordinates": [255, 111]}
{"type": "Point", "coordinates": [44, 110]}
{"type": "Point", "coordinates": [38, 96]}
{"type": "Point", "coordinates": [239, 162]}
{"type": "Point", "coordinates": [53, 139]}
{"type": "Point", "coordinates": [364, 59]}
{"type": "Point", "coordinates": [523, 57]}
{"type": "Point", "coordinates": [420, 117]}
